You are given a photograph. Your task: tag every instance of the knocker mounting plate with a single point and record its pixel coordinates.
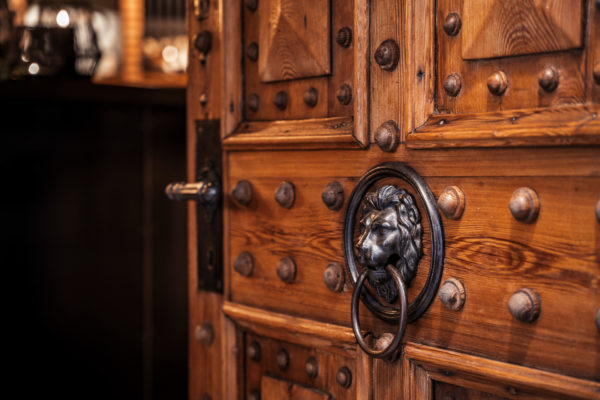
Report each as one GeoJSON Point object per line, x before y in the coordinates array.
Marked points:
{"type": "Point", "coordinates": [391, 235]}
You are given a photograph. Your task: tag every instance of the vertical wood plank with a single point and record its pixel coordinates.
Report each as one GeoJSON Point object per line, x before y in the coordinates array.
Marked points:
{"type": "Point", "coordinates": [361, 71]}
{"type": "Point", "coordinates": [364, 376]}
{"type": "Point", "coordinates": [232, 90]}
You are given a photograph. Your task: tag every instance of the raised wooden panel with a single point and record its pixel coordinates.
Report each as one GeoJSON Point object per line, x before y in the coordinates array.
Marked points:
{"type": "Point", "coordinates": [487, 249]}
{"type": "Point", "coordinates": [500, 28]}
{"type": "Point", "coordinates": [294, 39]}
{"type": "Point", "coordinates": [277, 389]}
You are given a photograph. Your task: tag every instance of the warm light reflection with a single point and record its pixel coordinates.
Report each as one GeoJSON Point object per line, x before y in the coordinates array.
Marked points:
{"type": "Point", "coordinates": [33, 69]}
{"type": "Point", "coordinates": [170, 54]}
{"type": "Point", "coordinates": [62, 18]}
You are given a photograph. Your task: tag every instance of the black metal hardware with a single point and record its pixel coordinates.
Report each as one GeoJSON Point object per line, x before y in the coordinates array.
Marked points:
{"type": "Point", "coordinates": [406, 263]}
{"type": "Point", "coordinates": [207, 192]}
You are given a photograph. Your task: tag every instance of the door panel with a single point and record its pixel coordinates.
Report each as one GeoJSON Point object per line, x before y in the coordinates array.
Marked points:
{"type": "Point", "coordinates": [496, 113]}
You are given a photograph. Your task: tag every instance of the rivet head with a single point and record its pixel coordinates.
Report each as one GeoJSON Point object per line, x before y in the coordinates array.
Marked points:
{"type": "Point", "coordinates": [285, 195]}
{"type": "Point", "coordinates": [344, 37]}
{"type": "Point", "coordinates": [253, 102]}
{"type": "Point", "coordinates": [252, 51]}
{"type": "Point", "coordinates": [251, 5]}
{"type": "Point", "coordinates": [282, 358]}
{"type": "Point", "coordinates": [596, 74]}
{"type": "Point", "coordinates": [203, 99]}
{"type": "Point", "coordinates": [598, 210]}
{"type": "Point", "coordinates": [312, 367]}
{"type": "Point", "coordinates": [254, 395]}
{"type": "Point", "coordinates": [244, 264]}
{"type": "Point", "coordinates": [344, 377]}
{"type": "Point", "coordinates": [205, 333]}
{"type": "Point", "coordinates": [253, 351]}
{"type": "Point", "coordinates": [598, 319]}
{"type": "Point", "coordinates": [281, 100]}
{"type": "Point", "coordinates": [452, 85]}
{"type": "Point", "coordinates": [286, 270]}
{"type": "Point", "coordinates": [242, 192]}
{"type": "Point", "coordinates": [548, 79]}
{"type": "Point", "coordinates": [387, 55]}
{"type": "Point", "coordinates": [384, 341]}
{"type": "Point", "coordinates": [387, 136]}
{"type": "Point", "coordinates": [333, 195]}
{"type": "Point", "coordinates": [452, 202]}
{"type": "Point", "coordinates": [311, 97]}
{"type": "Point", "coordinates": [524, 205]}
{"type": "Point", "coordinates": [344, 94]}
{"type": "Point", "coordinates": [452, 24]}
{"type": "Point", "coordinates": [497, 83]}
{"type": "Point", "coordinates": [203, 42]}
{"type": "Point", "coordinates": [524, 305]}
{"type": "Point", "coordinates": [452, 294]}
{"type": "Point", "coordinates": [334, 277]}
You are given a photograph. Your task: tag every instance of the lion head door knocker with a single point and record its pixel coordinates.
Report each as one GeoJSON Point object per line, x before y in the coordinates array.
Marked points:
{"type": "Point", "coordinates": [387, 248]}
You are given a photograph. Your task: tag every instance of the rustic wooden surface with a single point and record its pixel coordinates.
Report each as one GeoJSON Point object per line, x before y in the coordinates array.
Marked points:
{"type": "Point", "coordinates": [499, 28]}
{"type": "Point", "coordinates": [232, 102]}
{"type": "Point", "coordinates": [293, 39]}
{"type": "Point", "coordinates": [557, 255]}
{"type": "Point", "coordinates": [425, 364]}
{"type": "Point", "coordinates": [272, 388]}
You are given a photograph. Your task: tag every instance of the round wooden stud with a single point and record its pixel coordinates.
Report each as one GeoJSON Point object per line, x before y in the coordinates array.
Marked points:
{"type": "Point", "coordinates": [497, 83]}
{"type": "Point", "coordinates": [452, 202]}
{"type": "Point", "coordinates": [244, 264]}
{"type": "Point", "coordinates": [282, 358]}
{"type": "Point", "coordinates": [452, 294]}
{"type": "Point", "coordinates": [285, 195]}
{"type": "Point", "coordinates": [344, 37]}
{"type": "Point", "coordinates": [334, 277]}
{"type": "Point", "coordinates": [242, 192]}
{"type": "Point", "coordinates": [548, 79]}
{"type": "Point", "coordinates": [596, 74]}
{"type": "Point", "coordinates": [344, 94]}
{"type": "Point", "coordinates": [253, 102]}
{"type": "Point", "coordinates": [251, 5]}
{"type": "Point", "coordinates": [387, 136]}
{"type": "Point", "coordinates": [344, 377]}
{"type": "Point", "coordinates": [281, 100]}
{"type": "Point", "coordinates": [524, 205]}
{"type": "Point", "coordinates": [333, 195]}
{"type": "Point", "coordinates": [203, 42]}
{"type": "Point", "coordinates": [452, 85]}
{"type": "Point", "coordinates": [387, 55]}
{"type": "Point", "coordinates": [452, 24]}
{"type": "Point", "coordinates": [525, 305]}
{"type": "Point", "coordinates": [598, 210]}
{"type": "Point", "coordinates": [205, 333]}
{"type": "Point", "coordinates": [203, 99]}
{"type": "Point", "coordinates": [311, 97]}
{"type": "Point", "coordinates": [252, 51]}
{"type": "Point", "coordinates": [286, 270]}
{"type": "Point", "coordinates": [253, 351]}
{"type": "Point", "coordinates": [312, 367]}
{"type": "Point", "coordinates": [384, 341]}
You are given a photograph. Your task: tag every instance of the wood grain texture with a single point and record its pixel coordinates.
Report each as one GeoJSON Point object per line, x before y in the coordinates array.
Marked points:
{"type": "Point", "coordinates": [500, 28]}
{"type": "Point", "coordinates": [361, 71]}
{"type": "Point", "coordinates": [557, 256]}
{"type": "Point", "coordinates": [498, 378]}
{"type": "Point", "coordinates": [272, 388]}
{"type": "Point", "coordinates": [294, 374]}
{"type": "Point", "coordinates": [294, 39]}
{"type": "Point", "coordinates": [229, 19]}
{"type": "Point", "coordinates": [522, 71]}
{"type": "Point", "coordinates": [562, 126]}
{"type": "Point", "coordinates": [333, 133]}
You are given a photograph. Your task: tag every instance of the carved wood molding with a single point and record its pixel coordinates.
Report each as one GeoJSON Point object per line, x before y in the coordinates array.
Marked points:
{"type": "Point", "coordinates": [424, 364]}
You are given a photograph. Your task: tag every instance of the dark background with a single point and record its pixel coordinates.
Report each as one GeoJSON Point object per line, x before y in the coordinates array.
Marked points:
{"type": "Point", "coordinates": [94, 255]}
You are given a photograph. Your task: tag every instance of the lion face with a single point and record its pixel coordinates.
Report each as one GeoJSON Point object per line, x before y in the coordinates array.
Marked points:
{"type": "Point", "coordinates": [390, 233]}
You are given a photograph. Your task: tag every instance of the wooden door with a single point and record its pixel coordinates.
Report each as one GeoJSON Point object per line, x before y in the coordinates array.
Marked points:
{"type": "Point", "coordinates": [486, 115]}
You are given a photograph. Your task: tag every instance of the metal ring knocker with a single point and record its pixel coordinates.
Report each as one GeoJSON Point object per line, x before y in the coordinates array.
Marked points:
{"type": "Point", "coordinates": [391, 349]}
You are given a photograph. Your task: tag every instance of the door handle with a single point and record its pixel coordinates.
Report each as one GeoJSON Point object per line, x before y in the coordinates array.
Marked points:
{"type": "Point", "coordinates": [387, 247]}
{"type": "Point", "coordinates": [206, 191]}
